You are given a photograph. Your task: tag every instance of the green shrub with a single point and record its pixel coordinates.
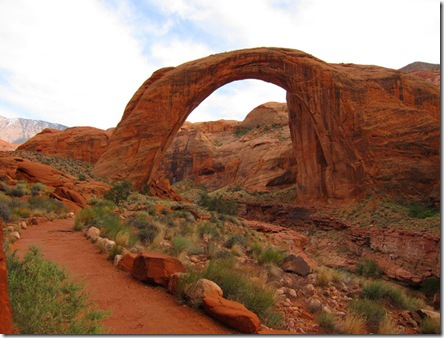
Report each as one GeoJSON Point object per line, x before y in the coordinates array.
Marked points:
{"type": "Point", "coordinates": [240, 288]}
{"type": "Point", "coordinates": [47, 205]}
{"type": "Point", "coordinates": [181, 244]}
{"type": "Point", "coordinates": [5, 213]}
{"type": "Point", "coordinates": [421, 211]}
{"type": "Point", "coordinates": [430, 326]}
{"type": "Point", "coordinates": [45, 301]}
{"type": "Point", "coordinates": [271, 255]}
{"type": "Point", "coordinates": [430, 286]}
{"type": "Point", "coordinates": [36, 188]}
{"type": "Point", "coordinates": [120, 192]}
{"type": "Point", "coordinates": [381, 291]}
{"type": "Point", "coordinates": [17, 191]}
{"type": "Point", "coordinates": [218, 204]}
{"type": "Point", "coordinates": [148, 233]}
{"type": "Point", "coordinates": [327, 321]}
{"type": "Point", "coordinates": [371, 311]}
{"type": "Point", "coordinates": [209, 230]}
{"type": "Point", "coordinates": [235, 239]}
{"type": "Point", "coordinates": [368, 268]}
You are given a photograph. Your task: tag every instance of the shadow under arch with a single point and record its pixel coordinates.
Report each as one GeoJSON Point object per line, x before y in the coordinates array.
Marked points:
{"type": "Point", "coordinates": [330, 165]}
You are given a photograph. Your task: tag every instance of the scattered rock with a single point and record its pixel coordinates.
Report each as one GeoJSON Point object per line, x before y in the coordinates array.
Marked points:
{"type": "Point", "coordinates": [93, 233]}
{"type": "Point", "coordinates": [23, 225]}
{"type": "Point", "coordinates": [155, 267]}
{"type": "Point", "coordinates": [232, 314]}
{"type": "Point", "coordinates": [314, 305]}
{"type": "Point", "coordinates": [200, 289]}
{"type": "Point", "coordinates": [117, 259]}
{"type": "Point", "coordinates": [296, 264]}
{"type": "Point", "coordinates": [14, 235]}
{"type": "Point", "coordinates": [173, 283]}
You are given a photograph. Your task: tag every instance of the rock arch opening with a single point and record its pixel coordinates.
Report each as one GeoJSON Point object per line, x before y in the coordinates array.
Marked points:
{"type": "Point", "coordinates": [333, 118]}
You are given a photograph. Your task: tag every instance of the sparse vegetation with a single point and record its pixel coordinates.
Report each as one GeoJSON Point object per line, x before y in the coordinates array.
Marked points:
{"type": "Point", "coordinates": [389, 294]}
{"type": "Point", "coordinates": [373, 312]}
{"type": "Point", "coordinates": [45, 301]}
{"type": "Point", "coordinates": [368, 268]}
{"type": "Point", "coordinates": [430, 326]}
{"type": "Point", "coordinates": [218, 204]}
{"type": "Point", "coordinates": [327, 321]}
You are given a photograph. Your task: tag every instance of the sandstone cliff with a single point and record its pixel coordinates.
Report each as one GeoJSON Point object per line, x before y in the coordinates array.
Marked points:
{"type": "Point", "coordinates": [80, 143]}
{"type": "Point", "coordinates": [255, 154]}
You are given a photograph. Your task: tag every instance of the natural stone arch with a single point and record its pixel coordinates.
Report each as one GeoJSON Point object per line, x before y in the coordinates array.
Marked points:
{"type": "Point", "coordinates": [322, 100]}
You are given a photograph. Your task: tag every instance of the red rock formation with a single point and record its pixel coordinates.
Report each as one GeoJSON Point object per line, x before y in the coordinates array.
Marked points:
{"type": "Point", "coordinates": [155, 267]}
{"type": "Point", "coordinates": [353, 127]}
{"type": "Point", "coordinates": [6, 146]}
{"type": "Point", "coordinates": [80, 143]}
{"type": "Point", "coordinates": [231, 153]}
{"type": "Point", "coordinates": [6, 325]}
{"type": "Point", "coordinates": [67, 188]}
{"type": "Point", "coordinates": [426, 71]}
{"type": "Point", "coordinates": [232, 313]}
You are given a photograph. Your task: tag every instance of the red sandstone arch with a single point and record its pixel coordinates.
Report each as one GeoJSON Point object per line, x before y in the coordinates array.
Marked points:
{"type": "Point", "coordinates": [328, 107]}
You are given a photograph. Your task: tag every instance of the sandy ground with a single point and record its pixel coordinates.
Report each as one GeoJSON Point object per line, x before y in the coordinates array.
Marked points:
{"type": "Point", "coordinates": [135, 308]}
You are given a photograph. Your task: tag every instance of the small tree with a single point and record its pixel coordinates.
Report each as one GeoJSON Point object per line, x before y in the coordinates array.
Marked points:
{"type": "Point", "coordinates": [119, 192]}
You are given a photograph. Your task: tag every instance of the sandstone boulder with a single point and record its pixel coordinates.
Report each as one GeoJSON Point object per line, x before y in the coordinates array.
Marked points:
{"type": "Point", "coordinates": [127, 262]}
{"type": "Point", "coordinates": [200, 289]}
{"type": "Point", "coordinates": [155, 267]}
{"type": "Point", "coordinates": [297, 265]}
{"type": "Point", "coordinates": [232, 314]}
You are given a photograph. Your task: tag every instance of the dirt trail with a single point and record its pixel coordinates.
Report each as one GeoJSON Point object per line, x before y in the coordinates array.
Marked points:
{"type": "Point", "coordinates": [135, 308]}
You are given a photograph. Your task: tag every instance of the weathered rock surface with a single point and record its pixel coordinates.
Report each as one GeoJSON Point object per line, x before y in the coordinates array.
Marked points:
{"type": "Point", "coordinates": [197, 291]}
{"type": "Point", "coordinates": [66, 187]}
{"type": "Point", "coordinates": [155, 267]}
{"type": "Point", "coordinates": [233, 314]}
{"type": "Point", "coordinates": [297, 265]}
{"type": "Point", "coordinates": [127, 262]}
{"type": "Point", "coordinates": [80, 143]}
{"type": "Point", "coordinates": [6, 325]}
{"type": "Point", "coordinates": [427, 71]}
{"type": "Point", "coordinates": [231, 153]}
{"type": "Point", "coordinates": [6, 146]}
{"type": "Point", "coordinates": [354, 128]}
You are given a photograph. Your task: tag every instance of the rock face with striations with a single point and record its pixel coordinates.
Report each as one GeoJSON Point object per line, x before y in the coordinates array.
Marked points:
{"type": "Point", "coordinates": [231, 153]}
{"type": "Point", "coordinates": [80, 143]}
{"type": "Point", "coordinates": [354, 128]}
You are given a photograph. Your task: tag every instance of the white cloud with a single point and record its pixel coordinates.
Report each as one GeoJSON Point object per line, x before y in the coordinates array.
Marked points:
{"type": "Point", "coordinates": [78, 62]}
{"type": "Point", "coordinates": [71, 62]}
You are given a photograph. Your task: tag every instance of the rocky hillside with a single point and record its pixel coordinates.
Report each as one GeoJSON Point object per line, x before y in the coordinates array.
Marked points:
{"type": "Point", "coordinates": [426, 71]}
{"type": "Point", "coordinates": [19, 130]}
{"type": "Point", "coordinates": [255, 154]}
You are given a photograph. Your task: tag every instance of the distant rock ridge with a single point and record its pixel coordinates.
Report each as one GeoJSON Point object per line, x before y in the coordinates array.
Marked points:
{"type": "Point", "coordinates": [429, 72]}
{"type": "Point", "coordinates": [19, 130]}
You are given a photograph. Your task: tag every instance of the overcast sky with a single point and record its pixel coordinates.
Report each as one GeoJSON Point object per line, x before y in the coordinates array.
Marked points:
{"type": "Point", "coordinates": [78, 62]}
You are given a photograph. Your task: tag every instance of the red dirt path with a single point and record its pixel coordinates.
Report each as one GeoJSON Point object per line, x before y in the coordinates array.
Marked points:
{"type": "Point", "coordinates": [135, 308]}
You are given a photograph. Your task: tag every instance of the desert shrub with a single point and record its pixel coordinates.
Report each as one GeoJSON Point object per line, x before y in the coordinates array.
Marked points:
{"type": "Point", "coordinates": [5, 213]}
{"type": "Point", "coordinates": [104, 218]}
{"type": "Point", "coordinates": [120, 192]}
{"type": "Point", "coordinates": [235, 239]}
{"type": "Point", "coordinates": [241, 131]}
{"type": "Point", "coordinates": [387, 327]}
{"type": "Point", "coordinates": [17, 191]}
{"type": "Point", "coordinates": [45, 301]}
{"type": "Point", "coordinates": [373, 312]}
{"type": "Point", "coordinates": [47, 205]}
{"type": "Point", "coordinates": [218, 204]}
{"type": "Point", "coordinates": [148, 233]}
{"type": "Point", "coordinates": [36, 188]}
{"type": "Point", "coordinates": [430, 326]}
{"type": "Point", "coordinates": [271, 255]}
{"type": "Point", "coordinates": [381, 291]}
{"type": "Point", "coordinates": [421, 211]}
{"type": "Point", "coordinates": [327, 321]}
{"type": "Point", "coordinates": [430, 286]}
{"type": "Point", "coordinates": [181, 244]}
{"type": "Point", "coordinates": [368, 268]}
{"type": "Point", "coordinates": [352, 324]}
{"type": "Point", "coordinates": [240, 288]}
{"type": "Point", "coordinates": [206, 229]}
